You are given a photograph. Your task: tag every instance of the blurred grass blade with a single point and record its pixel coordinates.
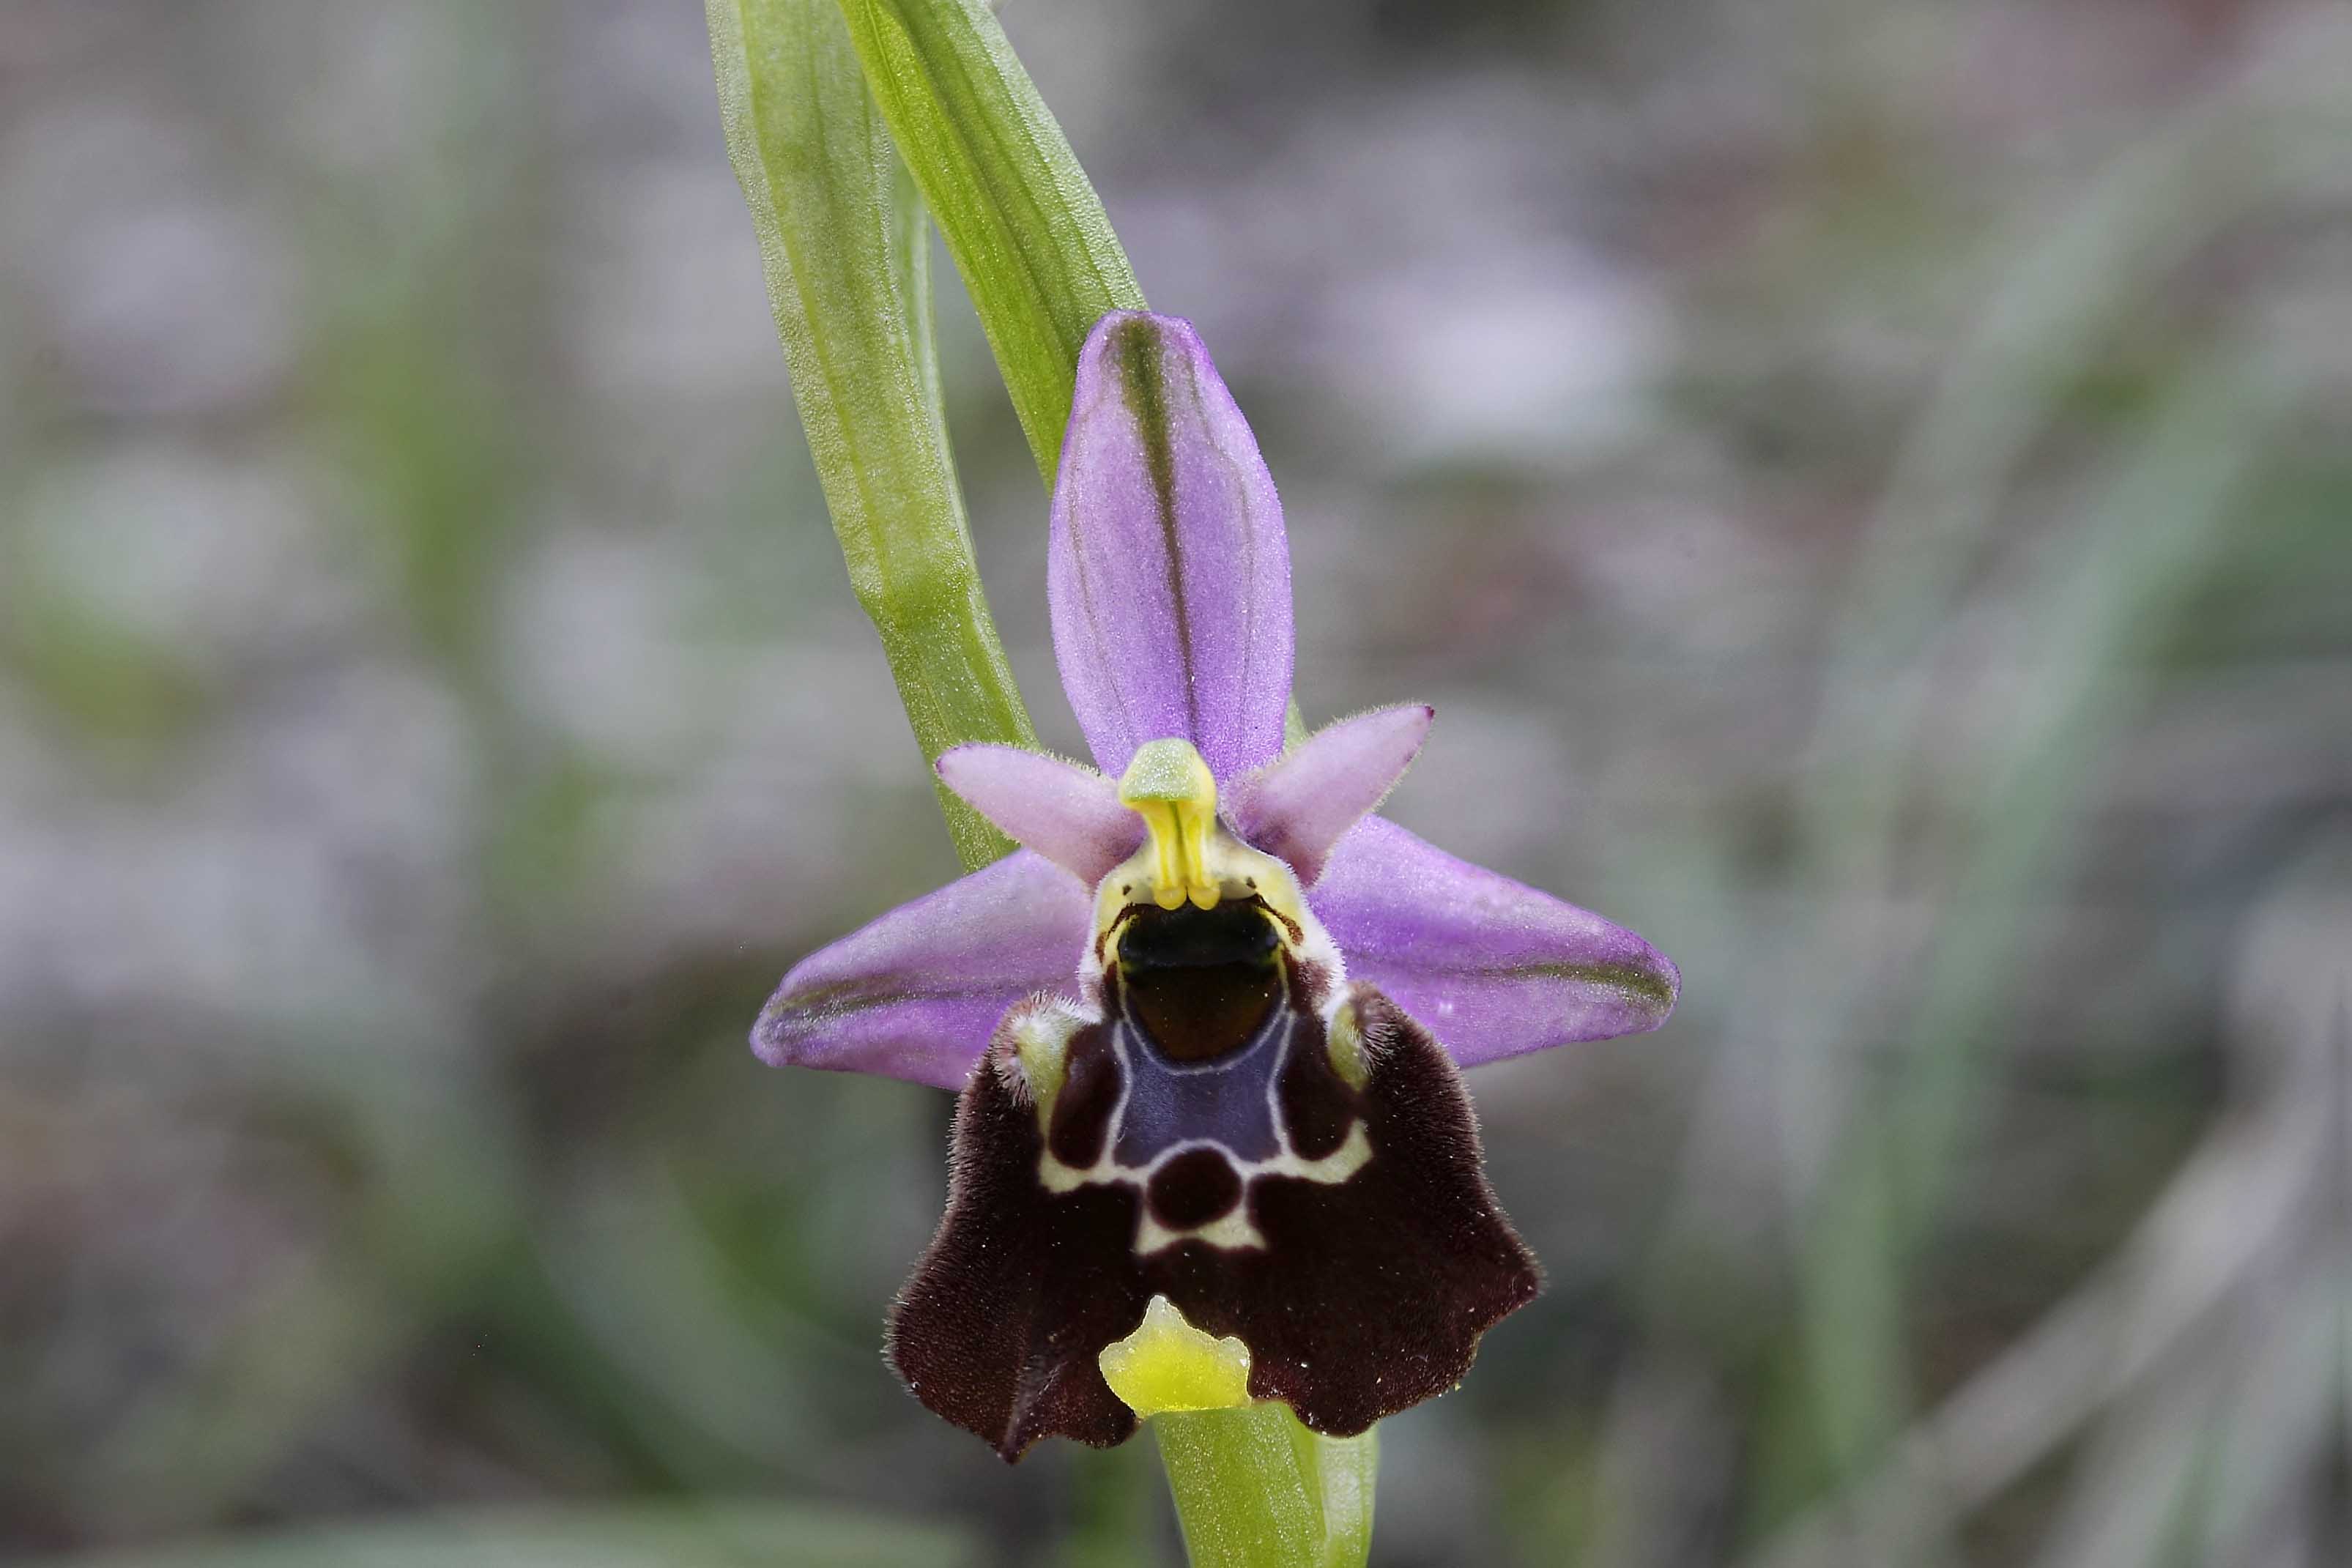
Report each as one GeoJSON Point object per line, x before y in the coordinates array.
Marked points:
{"type": "Point", "coordinates": [1027, 231]}
{"type": "Point", "coordinates": [1254, 1489]}
{"type": "Point", "coordinates": [762, 1535]}
{"type": "Point", "coordinates": [845, 249]}
{"type": "Point", "coordinates": [2124, 568]}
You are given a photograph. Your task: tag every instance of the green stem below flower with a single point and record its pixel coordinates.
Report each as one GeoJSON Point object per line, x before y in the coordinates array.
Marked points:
{"type": "Point", "coordinates": [1254, 1489]}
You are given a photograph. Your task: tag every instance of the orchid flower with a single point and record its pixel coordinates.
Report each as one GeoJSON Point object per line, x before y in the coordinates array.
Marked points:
{"type": "Point", "coordinates": [1212, 1145]}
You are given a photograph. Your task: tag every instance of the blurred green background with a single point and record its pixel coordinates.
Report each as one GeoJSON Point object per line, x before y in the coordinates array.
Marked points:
{"type": "Point", "coordinates": [1867, 483]}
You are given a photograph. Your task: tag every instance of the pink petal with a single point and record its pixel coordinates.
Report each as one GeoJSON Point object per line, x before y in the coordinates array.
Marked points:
{"type": "Point", "coordinates": [916, 993]}
{"type": "Point", "coordinates": [1493, 967]}
{"type": "Point", "coordinates": [1167, 570]}
{"type": "Point", "coordinates": [1069, 814]}
{"type": "Point", "coordinates": [1298, 807]}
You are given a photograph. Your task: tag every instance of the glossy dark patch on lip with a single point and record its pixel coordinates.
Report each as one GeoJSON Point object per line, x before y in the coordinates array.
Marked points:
{"type": "Point", "coordinates": [1201, 982]}
{"type": "Point", "coordinates": [1193, 1188]}
{"type": "Point", "coordinates": [1368, 1296]}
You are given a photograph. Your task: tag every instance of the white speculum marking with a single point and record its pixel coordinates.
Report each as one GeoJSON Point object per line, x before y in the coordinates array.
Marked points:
{"type": "Point", "coordinates": [1053, 1028]}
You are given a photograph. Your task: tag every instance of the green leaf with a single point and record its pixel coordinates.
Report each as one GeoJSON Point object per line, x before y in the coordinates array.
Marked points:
{"type": "Point", "coordinates": [1256, 1490]}
{"type": "Point", "coordinates": [748, 1535]}
{"type": "Point", "coordinates": [846, 248]}
{"type": "Point", "coordinates": [1027, 231]}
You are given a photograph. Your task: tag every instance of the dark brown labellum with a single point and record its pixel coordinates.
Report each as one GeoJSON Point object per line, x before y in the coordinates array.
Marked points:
{"type": "Point", "coordinates": [1357, 1298]}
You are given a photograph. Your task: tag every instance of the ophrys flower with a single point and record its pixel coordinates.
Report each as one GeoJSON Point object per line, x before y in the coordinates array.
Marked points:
{"type": "Point", "coordinates": [1197, 1019]}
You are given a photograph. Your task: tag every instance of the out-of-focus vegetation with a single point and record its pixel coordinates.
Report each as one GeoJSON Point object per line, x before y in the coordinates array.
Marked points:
{"type": "Point", "coordinates": [1868, 487]}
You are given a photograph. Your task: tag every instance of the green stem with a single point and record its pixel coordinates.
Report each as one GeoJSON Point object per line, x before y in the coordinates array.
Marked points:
{"type": "Point", "coordinates": [847, 250]}
{"type": "Point", "coordinates": [1026, 230]}
{"type": "Point", "coordinates": [1253, 1488]}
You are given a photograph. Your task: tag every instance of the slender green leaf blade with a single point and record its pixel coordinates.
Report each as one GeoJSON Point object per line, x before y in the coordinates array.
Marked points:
{"type": "Point", "coordinates": [1027, 231]}
{"type": "Point", "coordinates": [846, 248]}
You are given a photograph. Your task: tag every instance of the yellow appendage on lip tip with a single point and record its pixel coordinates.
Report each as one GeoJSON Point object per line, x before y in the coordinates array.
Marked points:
{"type": "Point", "coordinates": [1167, 1364]}
{"type": "Point", "coordinates": [1170, 787]}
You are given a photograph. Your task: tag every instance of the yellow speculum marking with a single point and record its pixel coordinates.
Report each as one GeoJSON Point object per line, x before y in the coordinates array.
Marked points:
{"type": "Point", "coordinates": [1167, 1364]}
{"type": "Point", "coordinates": [1041, 1039]}
{"type": "Point", "coordinates": [1347, 1044]}
{"type": "Point", "coordinates": [1170, 787]}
